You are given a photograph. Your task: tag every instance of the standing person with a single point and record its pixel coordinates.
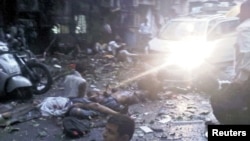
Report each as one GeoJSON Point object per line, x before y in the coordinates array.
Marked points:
{"type": "Point", "coordinates": [144, 33]}
{"type": "Point", "coordinates": [145, 28]}
{"type": "Point", "coordinates": [242, 48]}
{"type": "Point", "coordinates": [107, 33]}
{"type": "Point", "coordinates": [119, 128]}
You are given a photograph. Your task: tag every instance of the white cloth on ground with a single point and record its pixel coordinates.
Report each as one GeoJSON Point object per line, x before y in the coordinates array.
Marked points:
{"type": "Point", "coordinates": [54, 106]}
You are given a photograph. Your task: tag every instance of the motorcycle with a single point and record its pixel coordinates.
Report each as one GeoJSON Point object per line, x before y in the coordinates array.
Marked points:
{"type": "Point", "coordinates": [12, 82]}
{"type": "Point", "coordinates": [37, 72]}
{"type": "Point", "coordinates": [31, 67]}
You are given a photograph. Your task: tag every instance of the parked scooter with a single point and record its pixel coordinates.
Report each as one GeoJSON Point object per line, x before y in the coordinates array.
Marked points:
{"type": "Point", "coordinates": [12, 82]}
{"type": "Point", "coordinates": [31, 68]}
{"type": "Point", "coordinates": [37, 72]}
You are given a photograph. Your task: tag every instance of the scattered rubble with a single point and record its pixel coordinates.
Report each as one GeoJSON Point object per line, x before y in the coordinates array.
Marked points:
{"type": "Point", "coordinates": [172, 115]}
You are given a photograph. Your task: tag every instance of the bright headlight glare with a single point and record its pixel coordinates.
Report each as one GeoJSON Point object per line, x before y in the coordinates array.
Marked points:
{"type": "Point", "coordinates": [189, 55]}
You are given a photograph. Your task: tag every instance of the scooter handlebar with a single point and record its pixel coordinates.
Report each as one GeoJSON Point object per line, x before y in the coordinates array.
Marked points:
{"type": "Point", "coordinates": [7, 52]}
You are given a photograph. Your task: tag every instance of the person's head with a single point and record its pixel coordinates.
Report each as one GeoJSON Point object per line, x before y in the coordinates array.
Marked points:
{"type": "Point", "coordinates": [244, 11]}
{"type": "Point", "coordinates": [119, 128]}
{"type": "Point", "coordinates": [94, 95]}
{"type": "Point", "coordinates": [79, 67]}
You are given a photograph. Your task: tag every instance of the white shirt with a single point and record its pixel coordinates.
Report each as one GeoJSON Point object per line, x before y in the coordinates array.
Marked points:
{"type": "Point", "coordinates": [243, 36]}
{"type": "Point", "coordinates": [145, 28]}
{"type": "Point", "coordinates": [112, 46]}
{"type": "Point", "coordinates": [107, 28]}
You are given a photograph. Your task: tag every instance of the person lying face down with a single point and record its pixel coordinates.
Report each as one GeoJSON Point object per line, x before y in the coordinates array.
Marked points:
{"type": "Point", "coordinates": [107, 103]}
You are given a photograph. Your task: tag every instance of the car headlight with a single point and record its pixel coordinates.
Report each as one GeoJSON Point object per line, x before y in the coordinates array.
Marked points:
{"type": "Point", "coordinates": [189, 55]}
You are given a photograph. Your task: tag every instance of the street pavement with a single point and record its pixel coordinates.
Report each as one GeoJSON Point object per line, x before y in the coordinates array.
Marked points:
{"type": "Point", "coordinates": [176, 116]}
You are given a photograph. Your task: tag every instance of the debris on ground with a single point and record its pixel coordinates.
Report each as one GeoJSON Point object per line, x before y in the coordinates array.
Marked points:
{"type": "Point", "coordinates": [164, 114]}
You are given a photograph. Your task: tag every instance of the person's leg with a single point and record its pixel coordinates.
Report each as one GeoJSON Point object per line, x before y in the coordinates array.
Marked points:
{"type": "Point", "coordinates": [102, 108]}
{"type": "Point", "coordinates": [97, 107]}
{"type": "Point", "coordinates": [81, 113]}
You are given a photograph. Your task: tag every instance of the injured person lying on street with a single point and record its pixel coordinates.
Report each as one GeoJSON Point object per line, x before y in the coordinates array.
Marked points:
{"type": "Point", "coordinates": [73, 89]}
{"type": "Point", "coordinates": [111, 103]}
{"type": "Point", "coordinates": [80, 107]}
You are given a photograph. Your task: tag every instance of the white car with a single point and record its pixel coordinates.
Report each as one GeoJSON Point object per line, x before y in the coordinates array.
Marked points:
{"type": "Point", "coordinates": [191, 40]}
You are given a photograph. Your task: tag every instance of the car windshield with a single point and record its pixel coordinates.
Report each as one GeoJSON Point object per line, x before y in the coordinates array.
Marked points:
{"type": "Point", "coordinates": [180, 30]}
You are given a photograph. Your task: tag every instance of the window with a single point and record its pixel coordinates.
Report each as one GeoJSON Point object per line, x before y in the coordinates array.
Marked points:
{"type": "Point", "coordinates": [60, 29]}
{"type": "Point", "coordinates": [179, 30]}
{"type": "Point", "coordinates": [229, 26]}
{"type": "Point", "coordinates": [222, 28]}
{"type": "Point", "coordinates": [212, 23]}
{"type": "Point", "coordinates": [81, 25]}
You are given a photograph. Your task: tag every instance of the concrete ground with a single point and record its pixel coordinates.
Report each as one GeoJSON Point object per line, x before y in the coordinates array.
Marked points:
{"type": "Point", "coordinates": [181, 117]}
{"type": "Point", "coordinates": [176, 117]}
